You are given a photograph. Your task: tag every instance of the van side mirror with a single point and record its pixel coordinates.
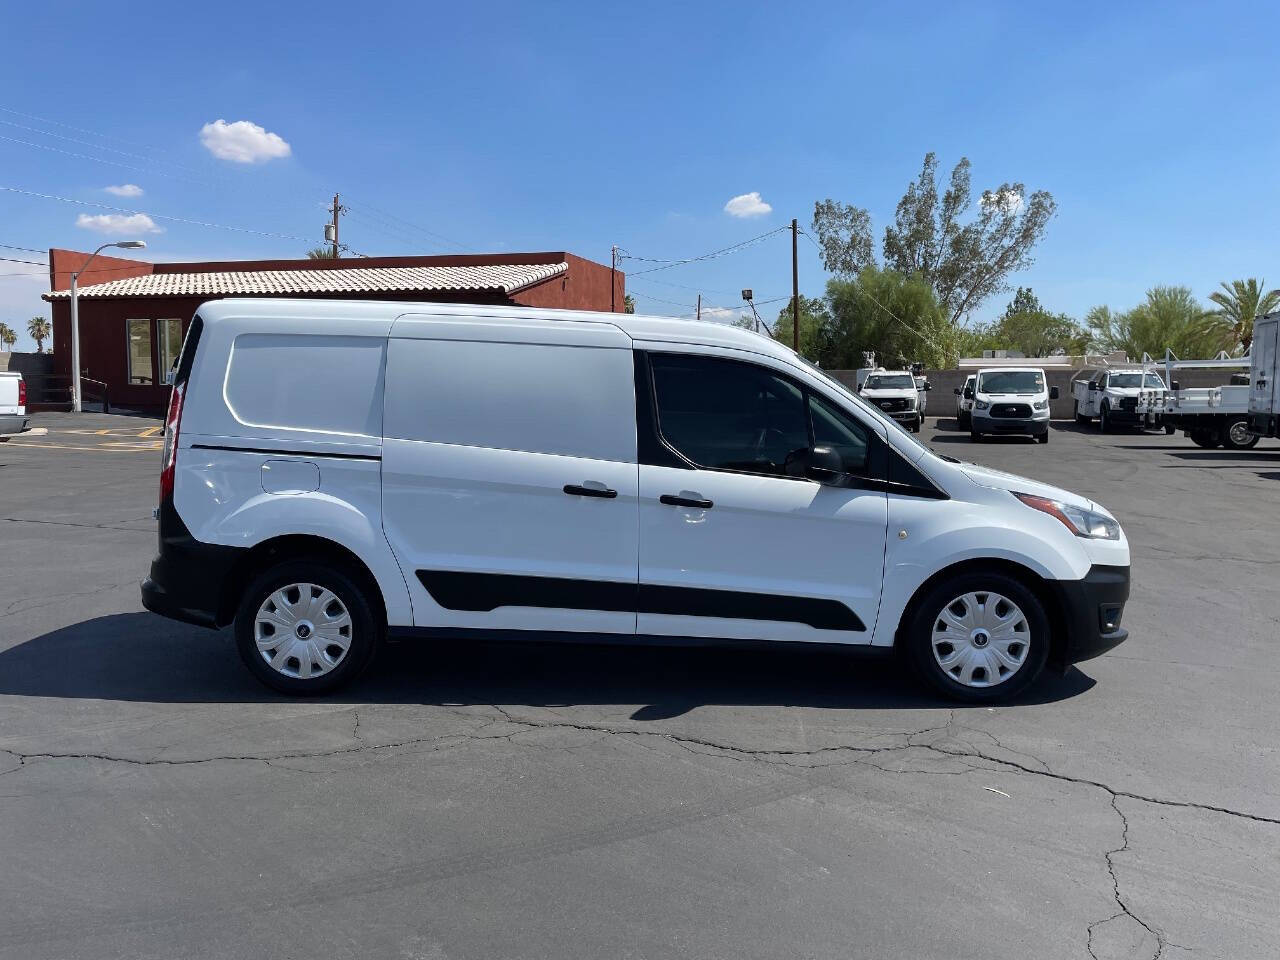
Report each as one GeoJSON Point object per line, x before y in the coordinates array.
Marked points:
{"type": "Point", "coordinates": [968, 393]}
{"type": "Point", "coordinates": [1093, 385]}
{"type": "Point", "coordinates": [957, 391]}
{"type": "Point", "coordinates": [927, 387]}
{"type": "Point", "coordinates": [1173, 384]}
{"type": "Point", "coordinates": [1053, 393]}
{"type": "Point", "coordinates": [858, 388]}
{"type": "Point", "coordinates": [820, 463]}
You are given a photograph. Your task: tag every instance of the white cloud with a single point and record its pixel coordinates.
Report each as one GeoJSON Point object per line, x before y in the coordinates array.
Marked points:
{"type": "Point", "coordinates": [1008, 201]}
{"type": "Point", "coordinates": [118, 223]}
{"type": "Point", "coordinates": [125, 190]}
{"type": "Point", "coordinates": [242, 142]}
{"type": "Point", "coordinates": [747, 205]}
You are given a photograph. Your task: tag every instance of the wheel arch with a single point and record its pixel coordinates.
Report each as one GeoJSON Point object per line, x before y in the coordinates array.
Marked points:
{"type": "Point", "coordinates": [1029, 578]}
{"type": "Point", "coordinates": [288, 547]}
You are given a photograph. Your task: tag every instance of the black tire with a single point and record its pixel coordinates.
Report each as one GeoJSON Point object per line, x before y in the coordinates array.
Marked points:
{"type": "Point", "coordinates": [1104, 419]}
{"type": "Point", "coordinates": [962, 421]}
{"type": "Point", "coordinates": [974, 436]}
{"type": "Point", "coordinates": [1080, 418]}
{"type": "Point", "coordinates": [1169, 429]}
{"type": "Point", "coordinates": [364, 627]}
{"type": "Point", "coordinates": [1235, 435]}
{"type": "Point", "coordinates": [1205, 437]}
{"type": "Point", "coordinates": [921, 619]}
{"type": "Point", "coordinates": [1042, 437]}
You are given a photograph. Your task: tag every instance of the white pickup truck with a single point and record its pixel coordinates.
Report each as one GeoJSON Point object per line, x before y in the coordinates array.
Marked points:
{"type": "Point", "coordinates": [1115, 396]}
{"type": "Point", "coordinates": [895, 392]}
{"type": "Point", "coordinates": [13, 404]}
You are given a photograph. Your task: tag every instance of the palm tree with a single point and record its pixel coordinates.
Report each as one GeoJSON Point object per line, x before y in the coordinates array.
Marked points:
{"type": "Point", "coordinates": [39, 330]}
{"type": "Point", "coordinates": [1238, 303]}
{"type": "Point", "coordinates": [7, 337]}
{"type": "Point", "coordinates": [321, 253]}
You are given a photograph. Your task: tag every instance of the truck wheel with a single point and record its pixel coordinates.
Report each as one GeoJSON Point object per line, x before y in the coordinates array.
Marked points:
{"type": "Point", "coordinates": [1080, 418]}
{"type": "Point", "coordinates": [1104, 419]}
{"type": "Point", "coordinates": [974, 436]}
{"type": "Point", "coordinates": [1169, 429]}
{"type": "Point", "coordinates": [962, 421]}
{"type": "Point", "coordinates": [1205, 437]}
{"type": "Point", "coordinates": [305, 628]}
{"type": "Point", "coordinates": [1042, 437]}
{"type": "Point", "coordinates": [1236, 435]}
{"type": "Point", "coordinates": [978, 637]}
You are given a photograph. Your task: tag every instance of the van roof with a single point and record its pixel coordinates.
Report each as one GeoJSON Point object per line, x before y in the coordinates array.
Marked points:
{"type": "Point", "coordinates": [638, 327]}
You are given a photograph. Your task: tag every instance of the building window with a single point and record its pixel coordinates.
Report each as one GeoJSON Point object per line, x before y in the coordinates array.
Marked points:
{"type": "Point", "coordinates": [170, 340]}
{"type": "Point", "coordinates": [140, 370]}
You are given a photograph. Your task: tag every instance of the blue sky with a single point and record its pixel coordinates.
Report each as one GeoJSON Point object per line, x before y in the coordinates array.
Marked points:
{"type": "Point", "coordinates": [499, 127]}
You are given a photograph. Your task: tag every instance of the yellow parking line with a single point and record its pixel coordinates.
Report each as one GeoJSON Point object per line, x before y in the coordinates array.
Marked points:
{"type": "Point", "coordinates": [150, 431]}
{"type": "Point", "coordinates": [105, 448]}
{"type": "Point", "coordinates": [102, 433]}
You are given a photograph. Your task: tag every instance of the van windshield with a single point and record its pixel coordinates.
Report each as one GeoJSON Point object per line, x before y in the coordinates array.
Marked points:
{"type": "Point", "coordinates": [1011, 381]}
{"type": "Point", "coordinates": [895, 381]}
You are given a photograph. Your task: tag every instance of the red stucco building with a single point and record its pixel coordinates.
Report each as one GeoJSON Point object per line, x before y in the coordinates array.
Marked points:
{"type": "Point", "coordinates": [133, 314]}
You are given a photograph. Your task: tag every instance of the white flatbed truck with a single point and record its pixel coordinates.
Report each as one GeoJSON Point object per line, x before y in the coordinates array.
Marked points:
{"type": "Point", "coordinates": [1210, 416]}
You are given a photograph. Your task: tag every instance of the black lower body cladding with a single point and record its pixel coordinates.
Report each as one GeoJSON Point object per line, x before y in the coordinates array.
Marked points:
{"type": "Point", "coordinates": [1091, 608]}
{"type": "Point", "coordinates": [187, 576]}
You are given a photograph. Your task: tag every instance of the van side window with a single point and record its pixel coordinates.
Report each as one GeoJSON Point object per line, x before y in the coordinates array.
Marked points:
{"type": "Point", "coordinates": [575, 401]}
{"type": "Point", "coordinates": [832, 428]}
{"type": "Point", "coordinates": [729, 415]}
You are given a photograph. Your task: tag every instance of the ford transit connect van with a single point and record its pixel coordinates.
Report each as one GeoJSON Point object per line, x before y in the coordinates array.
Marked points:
{"type": "Point", "coordinates": [337, 473]}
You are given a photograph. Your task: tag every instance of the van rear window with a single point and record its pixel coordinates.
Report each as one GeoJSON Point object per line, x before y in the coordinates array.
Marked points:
{"type": "Point", "coordinates": [311, 383]}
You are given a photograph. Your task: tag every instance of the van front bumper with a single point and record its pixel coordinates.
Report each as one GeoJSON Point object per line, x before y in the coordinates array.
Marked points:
{"type": "Point", "coordinates": [1036, 424]}
{"type": "Point", "coordinates": [1091, 609]}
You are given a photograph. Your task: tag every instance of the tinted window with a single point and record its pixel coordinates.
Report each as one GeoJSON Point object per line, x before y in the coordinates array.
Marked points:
{"type": "Point", "coordinates": [540, 398]}
{"type": "Point", "coordinates": [1011, 381]}
{"type": "Point", "coordinates": [891, 382]}
{"type": "Point", "coordinates": [833, 428]}
{"type": "Point", "coordinates": [728, 415]}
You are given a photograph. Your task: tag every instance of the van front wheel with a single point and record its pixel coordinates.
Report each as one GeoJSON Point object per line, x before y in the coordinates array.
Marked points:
{"type": "Point", "coordinates": [979, 637]}
{"type": "Point", "coordinates": [304, 628]}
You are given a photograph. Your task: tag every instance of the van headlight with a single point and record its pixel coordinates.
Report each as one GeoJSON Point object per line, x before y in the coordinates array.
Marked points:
{"type": "Point", "coordinates": [1040, 405]}
{"type": "Point", "coordinates": [980, 404]}
{"type": "Point", "coordinates": [1081, 522]}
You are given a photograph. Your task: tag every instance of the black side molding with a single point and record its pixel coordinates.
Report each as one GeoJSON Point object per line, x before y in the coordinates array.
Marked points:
{"type": "Point", "coordinates": [484, 592]}
{"type": "Point", "coordinates": [289, 453]}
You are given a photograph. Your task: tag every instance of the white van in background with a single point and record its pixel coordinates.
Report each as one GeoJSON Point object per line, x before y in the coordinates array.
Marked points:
{"type": "Point", "coordinates": [1264, 377]}
{"type": "Point", "coordinates": [336, 473]}
{"type": "Point", "coordinates": [13, 403]}
{"type": "Point", "coordinates": [1011, 400]}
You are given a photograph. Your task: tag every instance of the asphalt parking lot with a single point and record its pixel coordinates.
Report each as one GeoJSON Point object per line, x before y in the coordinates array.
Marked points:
{"type": "Point", "coordinates": [577, 802]}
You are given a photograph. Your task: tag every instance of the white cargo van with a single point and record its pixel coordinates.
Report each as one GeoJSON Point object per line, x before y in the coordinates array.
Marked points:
{"type": "Point", "coordinates": [1011, 400]}
{"type": "Point", "coordinates": [13, 403]}
{"type": "Point", "coordinates": [336, 473]}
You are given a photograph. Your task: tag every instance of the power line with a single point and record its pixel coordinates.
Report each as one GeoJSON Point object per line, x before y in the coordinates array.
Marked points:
{"type": "Point", "coordinates": [34, 263]}
{"type": "Point", "coordinates": [97, 146]}
{"type": "Point", "coordinates": [157, 216]}
{"type": "Point", "coordinates": [370, 209]}
{"type": "Point", "coordinates": [114, 163]}
{"type": "Point", "coordinates": [9, 246]}
{"type": "Point", "coordinates": [67, 126]}
{"type": "Point", "coordinates": [668, 264]}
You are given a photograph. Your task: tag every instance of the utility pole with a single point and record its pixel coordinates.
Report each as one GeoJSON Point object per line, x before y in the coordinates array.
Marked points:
{"type": "Point", "coordinates": [795, 290]}
{"type": "Point", "coordinates": [337, 209]}
{"type": "Point", "coordinates": [699, 306]}
{"type": "Point", "coordinates": [613, 281]}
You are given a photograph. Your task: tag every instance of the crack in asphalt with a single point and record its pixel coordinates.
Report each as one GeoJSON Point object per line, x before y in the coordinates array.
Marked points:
{"type": "Point", "coordinates": [88, 526]}
{"type": "Point", "coordinates": [707, 747]}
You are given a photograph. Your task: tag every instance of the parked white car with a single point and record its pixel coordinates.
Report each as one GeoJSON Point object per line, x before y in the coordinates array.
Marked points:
{"type": "Point", "coordinates": [338, 472]}
{"type": "Point", "coordinates": [1011, 400]}
{"type": "Point", "coordinates": [13, 403]}
{"type": "Point", "coordinates": [1118, 396]}
{"type": "Point", "coordinates": [895, 393]}
{"type": "Point", "coordinates": [964, 401]}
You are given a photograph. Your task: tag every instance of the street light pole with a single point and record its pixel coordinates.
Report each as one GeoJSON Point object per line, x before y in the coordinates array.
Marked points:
{"type": "Point", "coordinates": [76, 404]}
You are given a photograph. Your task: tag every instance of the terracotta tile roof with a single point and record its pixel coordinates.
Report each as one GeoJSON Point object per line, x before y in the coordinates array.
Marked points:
{"type": "Point", "coordinates": [501, 278]}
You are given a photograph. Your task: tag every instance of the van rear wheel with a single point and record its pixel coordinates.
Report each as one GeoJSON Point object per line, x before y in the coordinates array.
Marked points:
{"type": "Point", "coordinates": [978, 637]}
{"type": "Point", "coordinates": [305, 628]}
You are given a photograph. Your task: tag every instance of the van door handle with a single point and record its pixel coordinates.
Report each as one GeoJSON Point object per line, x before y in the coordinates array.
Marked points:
{"type": "Point", "coordinates": [672, 500]}
{"type": "Point", "coordinates": [577, 490]}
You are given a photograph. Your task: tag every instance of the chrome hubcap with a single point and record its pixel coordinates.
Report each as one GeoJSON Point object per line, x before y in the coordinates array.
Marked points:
{"type": "Point", "coordinates": [1239, 433]}
{"type": "Point", "coordinates": [303, 630]}
{"type": "Point", "coordinates": [980, 639]}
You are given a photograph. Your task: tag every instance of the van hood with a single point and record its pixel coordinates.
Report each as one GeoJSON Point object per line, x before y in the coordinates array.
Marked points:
{"type": "Point", "coordinates": [999, 480]}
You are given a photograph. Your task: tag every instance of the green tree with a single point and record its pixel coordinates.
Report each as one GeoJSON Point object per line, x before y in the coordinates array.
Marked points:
{"type": "Point", "coordinates": [321, 253]}
{"type": "Point", "coordinates": [39, 330]}
{"type": "Point", "coordinates": [881, 311]}
{"type": "Point", "coordinates": [7, 337]}
{"type": "Point", "coordinates": [628, 304]}
{"type": "Point", "coordinates": [1169, 317]}
{"type": "Point", "coordinates": [815, 320]}
{"type": "Point", "coordinates": [964, 263]}
{"type": "Point", "coordinates": [1027, 326]}
{"type": "Point", "coordinates": [1238, 303]}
